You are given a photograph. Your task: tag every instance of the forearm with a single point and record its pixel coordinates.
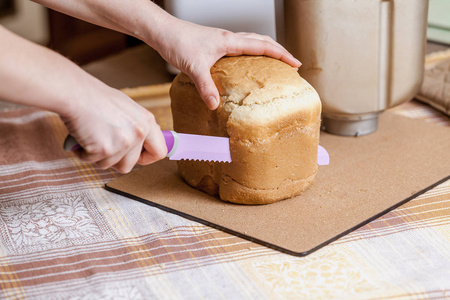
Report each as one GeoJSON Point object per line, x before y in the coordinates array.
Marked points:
{"type": "Point", "coordinates": [34, 75]}
{"type": "Point", "coordinates": [191, 48]}
{"type": "Point", "coordinates": [139, 18]}
{"type": "Point", "coordinates": [110, 127]}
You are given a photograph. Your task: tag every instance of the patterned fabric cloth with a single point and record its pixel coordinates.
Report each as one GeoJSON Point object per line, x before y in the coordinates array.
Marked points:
{"type": "Point", "coordinates": [63, 236]}
{"type": "Point", "coordinates": [435, 89]}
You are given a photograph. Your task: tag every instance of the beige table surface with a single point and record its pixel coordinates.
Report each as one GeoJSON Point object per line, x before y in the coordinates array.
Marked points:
{"type": "Point", "coordinates": [63, 236]}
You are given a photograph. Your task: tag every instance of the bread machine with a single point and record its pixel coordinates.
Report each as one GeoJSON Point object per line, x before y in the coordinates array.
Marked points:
{"type": "Point", "coordinates": [362, 56]}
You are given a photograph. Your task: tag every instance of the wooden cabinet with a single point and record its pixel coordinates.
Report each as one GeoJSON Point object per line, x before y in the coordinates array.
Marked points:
{"type": "Point", "coordinates": [6, 7]}
{"type": "Point", "coordinates": [83, 42]}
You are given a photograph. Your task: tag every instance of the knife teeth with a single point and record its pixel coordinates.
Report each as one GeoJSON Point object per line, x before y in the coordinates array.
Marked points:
{"type": "Point", "coordinates": [201, 148]}
{"type": "Point", "coordinates": [206, 160]}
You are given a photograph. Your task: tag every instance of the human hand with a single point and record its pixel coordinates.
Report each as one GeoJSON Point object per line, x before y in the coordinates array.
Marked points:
{"type": "Point", "coordinates": [112, 129]}
{"type": "Point", "coordinates": [194, 49]}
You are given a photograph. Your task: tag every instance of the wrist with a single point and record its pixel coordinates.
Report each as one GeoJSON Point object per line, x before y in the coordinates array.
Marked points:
{"type": "Point", "coordinates": [84, 92]}
{"type": "Point", "coordinates": [156, 30]}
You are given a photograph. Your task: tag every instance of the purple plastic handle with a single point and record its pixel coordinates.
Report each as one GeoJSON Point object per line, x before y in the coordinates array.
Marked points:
{"type": "Point", "coordinates": [169, 138]}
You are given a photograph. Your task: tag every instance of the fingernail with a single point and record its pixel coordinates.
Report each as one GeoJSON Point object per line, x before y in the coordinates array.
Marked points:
{"type": "Point", "coordinates": [211, 102]}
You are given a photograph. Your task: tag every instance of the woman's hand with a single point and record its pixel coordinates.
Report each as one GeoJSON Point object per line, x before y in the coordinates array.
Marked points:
{"type": "Point", "coordinates": [194, 49]}
{"type": "Point", "coordinates": [112, 130]}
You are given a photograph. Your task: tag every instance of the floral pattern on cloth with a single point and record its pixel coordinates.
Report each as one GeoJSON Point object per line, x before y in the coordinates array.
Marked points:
{"type": "Point", "coordinates": [320, 276]}
{"type": "Point", "coordinates": [51, 221]}
{"type": "Point", "coordinates": [109, 293]}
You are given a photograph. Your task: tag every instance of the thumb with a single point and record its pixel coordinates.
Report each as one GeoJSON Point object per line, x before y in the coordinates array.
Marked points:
{"type": "Point", "coordinates": [207, 89]}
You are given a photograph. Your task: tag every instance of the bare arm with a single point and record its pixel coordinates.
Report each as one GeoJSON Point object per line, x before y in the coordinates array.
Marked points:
{"type": "Point", "coordinates": [33, 75]}
{"type": "Point", "coordinates": [138, 18]}
{"type": "Point", "coordinates": [111, 127]}
{"type": "Point", "coordinates": [191, 48]}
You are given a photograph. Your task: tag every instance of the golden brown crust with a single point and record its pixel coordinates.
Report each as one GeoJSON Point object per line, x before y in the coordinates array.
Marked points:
{"type": "Point", "coordinates": [272, 117]}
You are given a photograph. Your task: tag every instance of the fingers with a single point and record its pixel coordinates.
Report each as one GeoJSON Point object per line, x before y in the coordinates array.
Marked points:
{"type": "Point", "coordinates": [255, 44]}
{"type": "Point", "coordinates": [127, 147]}
{"type": "Point", "coordinates": [154, 147]}
{"type": "Point", "coordinates": [239, 44]}
{"type": "Point", "coordinates": [262, 38]}
{"type": "Point", "coordinates": [121, 159]}
{"type": "Point", "coordinates": [206, 87]}
{"type": "Point", "coordinates": [122, 162]}
{"type": "Point", "coordinates": [243, 43]}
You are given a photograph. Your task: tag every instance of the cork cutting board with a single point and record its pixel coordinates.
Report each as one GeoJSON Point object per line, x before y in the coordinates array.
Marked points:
{"type": "Point", "coordinates": [367, 177]}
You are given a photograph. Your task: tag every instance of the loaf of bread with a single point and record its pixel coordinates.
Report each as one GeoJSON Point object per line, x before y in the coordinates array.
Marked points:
{"type": "Point", "coordinates": [272, 117]}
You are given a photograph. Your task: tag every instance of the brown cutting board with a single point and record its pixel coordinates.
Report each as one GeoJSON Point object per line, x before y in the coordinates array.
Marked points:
{"type": "Point", "coordinates": [367, 177]}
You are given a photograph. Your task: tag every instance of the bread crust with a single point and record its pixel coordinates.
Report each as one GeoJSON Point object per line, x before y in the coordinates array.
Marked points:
{"type": "Point", "coordinates": [272, 117]}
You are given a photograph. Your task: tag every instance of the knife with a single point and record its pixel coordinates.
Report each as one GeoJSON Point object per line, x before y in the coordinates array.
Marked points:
{"type": "Point", "coordinates": [197, 147]}
{"type": "Point", "coordinates": [184, 146]}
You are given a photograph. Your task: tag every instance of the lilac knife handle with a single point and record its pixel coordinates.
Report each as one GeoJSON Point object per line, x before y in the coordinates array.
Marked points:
{"type": "Point", "coordinates": [171, 138]}
{"type": "Point", "coordinates": [168, 137]}
{"type": "Point", "coordinates": [71, 144]}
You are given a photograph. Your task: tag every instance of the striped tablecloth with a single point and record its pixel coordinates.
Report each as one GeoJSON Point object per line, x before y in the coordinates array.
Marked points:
{"type": "Point", "coordinates": [63, 236]}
